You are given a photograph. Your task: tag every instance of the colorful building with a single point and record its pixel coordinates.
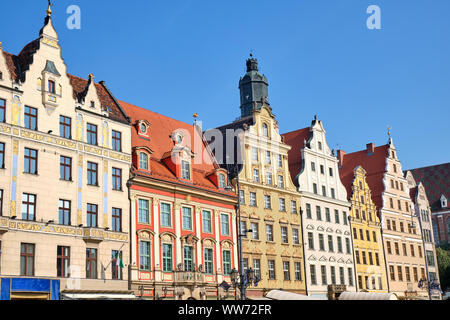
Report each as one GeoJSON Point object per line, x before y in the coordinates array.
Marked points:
{"type": "Point", "coordinates": [325, 210]}
{"type": "Point", "coordinates": [270, 205]}
{"type": "Point", "coordinates": [183, 217]}
{"type": "Point", "coordinates": [402, 238]}
{"type": "Point", "coordinates": [436, 181]}
{"type": "Point", "coordinates": [366, 231]}
{"type": "Point", "coordinates": [64, 161]}
{"type": "Point", "coordinates": [423, 212]}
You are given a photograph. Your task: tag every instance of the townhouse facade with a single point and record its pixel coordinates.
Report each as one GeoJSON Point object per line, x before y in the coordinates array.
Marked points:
{"type": "Point", "coordinates": [402, 238]}
{"type": "Point", "coordinates": [272, 243]}
{"type": "Point", "coordinates": [183, 215]}
{"type": "Point", "coordinates": [366, 232]}
{"type": "Point", "coordinates": [423, 212]}
{"type": "Point", "coordinates": [65, 158]}
{"type": "Point", "coordinates": [328, 247]}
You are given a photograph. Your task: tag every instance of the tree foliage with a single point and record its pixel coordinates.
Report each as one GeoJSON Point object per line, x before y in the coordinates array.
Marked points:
{"type": "Point", "coordinates": [443, 257]}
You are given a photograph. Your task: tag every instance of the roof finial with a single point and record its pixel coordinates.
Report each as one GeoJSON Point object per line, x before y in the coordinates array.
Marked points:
{"type": "Point", "coordinates": [389, 131]}
{"type": "Point", "coordinates": [49, 9]}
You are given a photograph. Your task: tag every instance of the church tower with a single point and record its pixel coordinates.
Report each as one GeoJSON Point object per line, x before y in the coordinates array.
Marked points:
{"type": "Point", "coordinates": [254, 89]}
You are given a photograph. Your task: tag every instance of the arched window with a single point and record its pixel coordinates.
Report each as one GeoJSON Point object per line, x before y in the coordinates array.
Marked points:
{"type": "Point", "coordinates": [265, 130]}
{"type": "Point", "coordinates": [143, 161]}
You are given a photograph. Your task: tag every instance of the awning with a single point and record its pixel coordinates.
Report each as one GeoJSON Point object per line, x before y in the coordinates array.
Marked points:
{"type": "Point", "coordinates": [284, 295]}
{"type": "Point", "coordinates": [367, 296]}
{"type": "Point", "coordinates": [97, 295]}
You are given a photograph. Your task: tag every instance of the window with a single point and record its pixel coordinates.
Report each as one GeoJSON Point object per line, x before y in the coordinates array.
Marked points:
{"type": "Point", "coordinates": [370, 258]}
{"type": "Point", "coordinates": [412, 250]}
{"type": "Point", "coordinates": [324, 191]}
{"type": "Point", "coordinates": [62, 262]}
{"type": "Point", "coordinates": [322, 169]}
{"type": "Point", "coordinates": [364, 258]}
{"type": "Point", "coordinates": [269, 178]}
{"type": "Point", "coordinates": [253, 199]}
{"type": "Point", "coordinates": [116, 269]}
{"type": "Point", "coordinates": [297, 271]}
{"type": "Point", "coordinates": [312, 270]}
{"type": "Point", "coordinates": [315, 188]}
{"type": "Point", "coordinates": [333, 274]}
{"type": "Point", "coordinates": [257, 267]}
{"type": "Point", "coordinates": [280, 182]}
{"type": "Point", "coordinates": [225, 224]}
{"type": "Point", "coordinates": [320, 145]}
{"type": "Point", "coordinates": [368, 235]}
{"type": "Point", "coordinates": [313, 167]}
{"type": "Point", "coordinates": [187, 218]}
{"type": "Point", "coordinates": [269, 232]}
{"type": "Point", "coordinates": [267, 203]}
{"type": "Point", "coordinates": [333, 193]}
{"type": "Point", "coordinates": [51, 87]}
{"type": "Point", "coordinates": [286, 271]}
{"type": "Point", "coordinates": [255, 231]}
{"type": "Point", "coordinates": [407, 273]}
{"type": "Point", "coordinates": [166, 215]}
{"type": "Point", "coordinates": [293, 206]}
{"type": "Point", "coordinates": [342, 275]}
{"type": "Point", "coordinates": [92, 104]}
{"type": "Point", "coordinates": [284, 235]}
{"type": "Point", "coordinates": [255, 175]}
{"type": "Point", "coordinates": [244, 229]}
{"type": "Point", "coordinates": [280, 161]}
{"type": "Point", "coordinates": [347, 245]}
{"type": "Point", "coordinates": [392, 272]}
{"type": "Point", "coordinates": [2, 110]}
{"type": "Point", "coordinates": [241, 196]}
{"type": "Point", "coordinates": [92, 215]}
{"type": "Point", "coordinates": [226, 258]}
{"type": "Point", "coordinates": [29, 207]}
{"type": "Point", "coordinates": [397, 250]}
{"type": "Point", "coordinates": [92, 134]}
{"type": "Point", "coordinates": [143, 211]}
{"type": "Point", "coordinates": [282, 205]}
{"type": "Point", "coordinates": [416, 275]}
{"type": "Point", "coordinates": [295, 236]}
{"type": "Point", "coordinates": [321, 242]}
{"type": "Point", "coordinates": [92, 174]}
{"type": "Point", "coordinates": [389, 248]}
{"type": "Point", "coordinates": [1, 214]}
{"type": "Point", "coordinates": [361, 234]}
{"type": "Point", "coordinates": [268, 157]}
{"type": "Point", "coordinates": [65, 127]}
{"type": "Point", "coordinates": [206, 221]}
{"type": "Point", "coordinates": [318, 213]}
{"type": "Point", "coordinates": [430, 258]}
{"type": "Point", "coordinates": [27, 252]}
{"type": "Point", "coordinates": [265, 130]}
{"type": "Point", "coordinates": [374, 236]}
{"type": "Point", "coordinates": [30, 161]}
{"type": "Point", "coordinates": [117, 179]}
{"type": "Point", "coordinates": [358, 261]}
{"type": "Point", "coordinates": [344, 218]}
{"type": "Point", "coordinates": [336, 216]}
{"type": "Point", "coordinates": [31, 115]}
{"type": "Point", "coordinates": [117, 141]}
{"type": "Point", "coordinates": [143, 161]}
{"type": "Point", "coordinates": [355, 234]}
{"type": "Point", "coordinates": [64, 212]}
{"type": "Point", "coordinates": [395, 168]}
{"type": "Point", "coordinates": [308, 211]}
{"type": "Point", "coordinates": [339, 243]}
{"type": "Point", "coordinates": [91, 263]}
{"type": "Point", "coordinates": [185, 170]}
{"type": "Point", "coordinates": [377, 258]}
{"type": "Point", "coordinates": [400, 273]}
{"type": "Point", "coordinates": [167, 257]}
{"type": "Point", "coordinates": [405, 253]}
{"type": "Point", "coordinates": [222, 181]}
{"type": "Point", "coordinates": [65, 168]}
{"type": "Point", "coordinates": [208, 260]}
{"type": "Point", "coordinates": [350, 277]}
{"type": "Point", "coordinates": [144, 255]}
{"type": "Point", "coordinates": [116, 220]}
{"type": "Point", "coordinates": [2, 155]}
{"type": "Point", "coordinates": [323, 271]}
{"type": "Point", "coordinates": [254, 154]}
{"type": "Point", "coordinates": [271, 267]}
{"type": "Point", "coordinates": [311, 241]}
{"type": "Point", "coordinates": [330, 244]}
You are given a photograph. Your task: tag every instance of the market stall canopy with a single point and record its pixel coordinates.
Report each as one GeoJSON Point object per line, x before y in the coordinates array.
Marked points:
{"type": "Point", "coordinates": [367, 296]}
{"type": "Point", "coordinates": [283, 295]}
{"type": "Point", "coordinates": [97, 295]}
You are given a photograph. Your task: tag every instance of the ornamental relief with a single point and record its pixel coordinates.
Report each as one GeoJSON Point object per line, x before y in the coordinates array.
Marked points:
{"type": "Point", "coordinates": [145, 234]}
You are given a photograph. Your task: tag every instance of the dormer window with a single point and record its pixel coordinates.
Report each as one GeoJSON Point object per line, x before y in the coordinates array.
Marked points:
{"type": "Point", "coordinates": [222, 181]}
{"type": "Point", "coordinates": [443, 202]}
{"type": "Point", "coordinates": [92, 104]}
{"type": "Point", "coordinates": [185, 170]}
{"type": "Point", "coordinates": [265, 130]}
{"type": "Point", "coordinates": [143, 161]}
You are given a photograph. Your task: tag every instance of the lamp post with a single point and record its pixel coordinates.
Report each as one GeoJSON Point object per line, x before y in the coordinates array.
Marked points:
{"type": "Point", "coordinates": [243, 280]}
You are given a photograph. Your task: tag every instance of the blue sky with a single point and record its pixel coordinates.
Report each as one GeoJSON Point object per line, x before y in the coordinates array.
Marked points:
{"type": "Point", "coordinates": [184, 56]}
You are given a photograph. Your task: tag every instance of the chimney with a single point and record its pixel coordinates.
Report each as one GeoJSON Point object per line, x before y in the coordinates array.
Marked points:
{"type": "Point", "coordinates": [340, 156]}
{"type": "Point", "coordinates": [370, 148]}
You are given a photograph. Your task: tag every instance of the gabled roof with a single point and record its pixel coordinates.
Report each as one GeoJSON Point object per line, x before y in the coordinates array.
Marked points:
{"type": "Point", "coordinates": [160, 142]}
{"type": "Point", "coordinates": [436, 180]}
{"type": "Point", "coordinates": [297, 140]}
{"type": "Point", "coordinates": [375, 166]}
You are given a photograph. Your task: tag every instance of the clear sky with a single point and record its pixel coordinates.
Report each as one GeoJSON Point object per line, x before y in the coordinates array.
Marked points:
{"type": "Point", "coordinates": [184, 56]}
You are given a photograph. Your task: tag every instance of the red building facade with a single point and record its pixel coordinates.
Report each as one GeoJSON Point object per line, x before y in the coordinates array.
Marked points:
{"type": "Point", "coordinates": [183, 220]}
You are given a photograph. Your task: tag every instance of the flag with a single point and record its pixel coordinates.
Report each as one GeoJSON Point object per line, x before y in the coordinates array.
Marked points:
{"type": "Point", "coordinates": [119, 261]}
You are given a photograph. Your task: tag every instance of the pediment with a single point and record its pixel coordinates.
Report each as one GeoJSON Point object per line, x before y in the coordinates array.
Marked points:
{"type": "Point", "coordinates": [310, 227]}
{"type": "Point", "coordinates": [347, 233]}
{"type": "Point", "coordinates": [349, 261]}
{"type": "Point", "coordinates": [330, 230]}
{"type": "Point", "coordinates": [312, 258]}
{"type": "Point", "coordinates": [338, 231]}
{"type": "Point", "coordinates": [332, 259]}
{"type": "Point", "coordinates": [323, 259]}
{"type": "Point", "coordinates": [341, 260]}
{"type": "Point", "coordinates": [320, 228]}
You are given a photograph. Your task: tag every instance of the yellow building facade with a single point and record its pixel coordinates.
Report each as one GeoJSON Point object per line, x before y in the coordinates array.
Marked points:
{"type": "Point", "coordinates": [366, 234]}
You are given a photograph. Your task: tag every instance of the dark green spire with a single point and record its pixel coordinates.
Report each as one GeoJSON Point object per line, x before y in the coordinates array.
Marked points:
{"type": "Point", "coordinates": [254, 88]}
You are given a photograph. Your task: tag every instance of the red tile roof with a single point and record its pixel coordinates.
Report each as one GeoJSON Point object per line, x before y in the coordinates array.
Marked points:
{"type": "Point", "coordinates": [375, 166]}
{"type": "Point", "coordinates": [296, 139]}
{"type": "Point", "coordinates": [160, 142]}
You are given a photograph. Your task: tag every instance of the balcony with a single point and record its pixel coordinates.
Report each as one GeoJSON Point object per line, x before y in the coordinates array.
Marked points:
{"type": "Point", "coordinates": [93, 235]}
{"type": "Point", "coordinates": [4, 225]}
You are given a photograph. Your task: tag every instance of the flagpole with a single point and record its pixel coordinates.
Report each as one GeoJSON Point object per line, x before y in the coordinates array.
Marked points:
{"type": "Point", "coordinates": [112, 259]}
